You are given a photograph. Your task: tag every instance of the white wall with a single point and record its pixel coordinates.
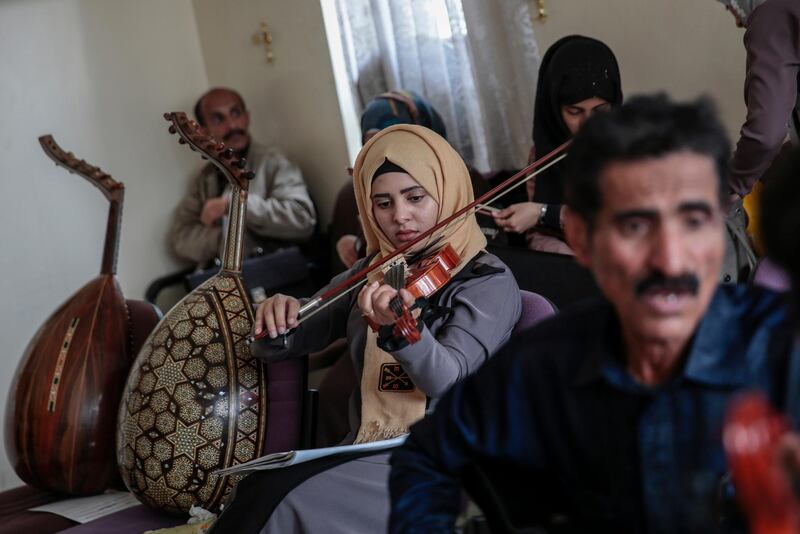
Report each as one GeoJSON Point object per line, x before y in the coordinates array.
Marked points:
{"type": "Point", "coordinates": [293, 101]}
{"type": "Point", "coordinates": [97, 75]}
{"type": "Point", "coordinates": [684, 47]}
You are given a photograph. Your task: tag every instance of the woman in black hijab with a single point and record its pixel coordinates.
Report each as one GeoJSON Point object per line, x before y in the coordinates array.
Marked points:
{"type": "Point", "coordinates": [578, 77]}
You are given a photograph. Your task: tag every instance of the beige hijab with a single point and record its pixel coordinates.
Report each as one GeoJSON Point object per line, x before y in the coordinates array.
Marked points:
{"type": "Point", "coordinates": [437, 167]}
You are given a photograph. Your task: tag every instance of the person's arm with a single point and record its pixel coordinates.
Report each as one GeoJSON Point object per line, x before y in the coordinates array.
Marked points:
{"type": "Point", "coordinates": [773, 59]}
{"type": "Point", "coordinates": [190, 238]}
{"type": "Point", "coordinates": [484, 312]}
{"type": "Point", "coordinates": [488, 416]}
{"type": "Point", "coordinates": [286, 212]}
{"type": "Point", "coordinates": [315, 333]}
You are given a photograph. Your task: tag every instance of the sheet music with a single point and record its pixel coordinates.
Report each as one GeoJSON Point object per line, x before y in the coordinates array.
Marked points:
{"type": "Point", "coordinates": [284, 459]}
{"type": "Point", "coordinates": [85, 509]}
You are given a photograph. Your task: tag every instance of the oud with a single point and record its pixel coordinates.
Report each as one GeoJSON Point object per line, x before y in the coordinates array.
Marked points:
{"type": "Point", "coordinates": [62, 406]}
{"type": "Point", "coordinates": [195, 399]}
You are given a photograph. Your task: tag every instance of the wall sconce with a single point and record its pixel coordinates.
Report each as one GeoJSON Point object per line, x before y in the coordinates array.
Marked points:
{"type": "Point", "coordinates": [264, 37]}
{"type": "Point", "coordinates": [542, 12]}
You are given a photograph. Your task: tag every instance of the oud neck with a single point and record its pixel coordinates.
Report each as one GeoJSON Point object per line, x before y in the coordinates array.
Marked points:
{"type": "Point", "coordinates": [111, 246]}
{"type": "Point", "coordinates": [234, 239]}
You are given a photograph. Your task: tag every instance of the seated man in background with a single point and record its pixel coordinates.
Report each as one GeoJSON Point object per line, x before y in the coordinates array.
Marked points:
{"type": "Point", "coordinates": [609, 416]}
{"type": "Point", "coordinates": [279, 208]}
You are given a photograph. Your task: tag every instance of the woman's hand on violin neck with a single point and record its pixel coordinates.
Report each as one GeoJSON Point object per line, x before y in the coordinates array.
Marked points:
{"type": "Point", "coordinates": [374, 302]}
{"type": "Point", "coordinates": [519, 217]}
{"type": "Point", "coordinates": [276, 315]}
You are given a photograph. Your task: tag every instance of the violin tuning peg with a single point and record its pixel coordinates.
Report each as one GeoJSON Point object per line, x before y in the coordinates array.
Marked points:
{"type": "Point", "coordinates": [172, 130]}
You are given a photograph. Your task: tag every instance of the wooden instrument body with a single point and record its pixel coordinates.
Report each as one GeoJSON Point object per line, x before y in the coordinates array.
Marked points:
{"type": "Point", "coordinates": [432, 273]}
{"type": "Point", "coordinates": [195, 401]}
{"type": "Point", "coordinates": [62, 407]}
{"type": "Point", "coordinates": [61, 411]}
{"type": "Point", "coordinates": [751, 435]}
{"type": "Point", "coordinates": [196, 398]}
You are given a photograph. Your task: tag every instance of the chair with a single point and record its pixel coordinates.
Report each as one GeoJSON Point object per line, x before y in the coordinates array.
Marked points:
{"type": "Point", "coordinates": [771, 276]}
{"type": "Point", "coordinates": [535, 308]}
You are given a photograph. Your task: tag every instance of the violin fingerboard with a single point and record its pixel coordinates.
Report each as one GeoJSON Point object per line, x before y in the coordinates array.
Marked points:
{"type": "Point", "coordinates": [396, 304]}
{"type": "Point", "coordinates": [395, 275]}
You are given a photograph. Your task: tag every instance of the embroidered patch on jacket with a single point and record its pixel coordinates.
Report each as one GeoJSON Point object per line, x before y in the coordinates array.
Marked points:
{"type": "Point", "coordinates": [394, 378]}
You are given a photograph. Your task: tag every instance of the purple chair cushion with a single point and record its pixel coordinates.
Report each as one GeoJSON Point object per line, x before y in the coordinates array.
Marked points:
{"type": "Point", "coordinates": [286, 384]}
{"type": "Point", "coordinates": [535, 308]}
{"type": "Point", "coordinates": [771, 276]}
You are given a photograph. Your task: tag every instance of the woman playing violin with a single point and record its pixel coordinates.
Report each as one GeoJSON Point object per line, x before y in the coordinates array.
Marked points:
{"type": "Point", "coordinates": [406, 178]}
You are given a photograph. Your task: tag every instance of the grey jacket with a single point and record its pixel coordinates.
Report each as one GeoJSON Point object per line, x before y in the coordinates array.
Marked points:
{"type": "Point", "coordinates": [772, 41]}
{"type": "Point", "coordinates": [278, 208]}
{"type": "Point", "coordinates": [484, 306]}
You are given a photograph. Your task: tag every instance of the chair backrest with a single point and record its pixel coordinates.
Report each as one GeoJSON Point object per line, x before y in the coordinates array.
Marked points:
{"type": "Point", "coordinates": [771, 276]}
{"type": "Point", "coordinates": [535, 308]}
{"type": "Point", "coordinates": [556, 277]}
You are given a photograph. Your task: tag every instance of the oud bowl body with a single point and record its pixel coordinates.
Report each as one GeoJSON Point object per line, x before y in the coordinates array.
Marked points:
{"type": "Point", "coordinates": [63, 402]}
{"type": "Point", "coordinates": [195, 401]}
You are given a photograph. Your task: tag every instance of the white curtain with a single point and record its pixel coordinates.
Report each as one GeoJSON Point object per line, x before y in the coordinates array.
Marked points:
{"type": "Point", "coordinates": [476, 61]}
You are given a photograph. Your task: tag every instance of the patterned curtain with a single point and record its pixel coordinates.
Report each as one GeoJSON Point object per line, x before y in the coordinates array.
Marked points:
{"type": "Point", "coordinates": [476, 61]}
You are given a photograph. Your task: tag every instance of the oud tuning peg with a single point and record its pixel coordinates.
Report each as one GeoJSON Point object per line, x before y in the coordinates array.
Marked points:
{"type": "Point", "coordinates": [204, 157]}
{"type": "Point", "coordinates": [172, 130]}
{"type": "Point", "coordinates": [249, 175]}
{"type": "Point", "coordinates": [167, 116]}
{"type": "Point", "coordinates": [219, 146]}
{"type": "Point", "coordinates": [181, 141]}
{"type": "Point", "coordinates": [241, 163]}
{"type": "Point", "coordinates": [228, 154]}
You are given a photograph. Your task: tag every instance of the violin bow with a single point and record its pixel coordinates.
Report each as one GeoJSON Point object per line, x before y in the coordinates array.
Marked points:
{"type": "Point", "coordinates": [355, 281]}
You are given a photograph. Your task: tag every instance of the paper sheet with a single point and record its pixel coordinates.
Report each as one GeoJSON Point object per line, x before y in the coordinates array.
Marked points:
{"type": "Point", "coordinates": [85, 509]}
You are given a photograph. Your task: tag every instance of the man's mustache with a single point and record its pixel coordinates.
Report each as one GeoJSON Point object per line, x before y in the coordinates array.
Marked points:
{"type": "Point", "coordinates": [232, 133]}
{"type": "Point", "coordinates": [669, 284]}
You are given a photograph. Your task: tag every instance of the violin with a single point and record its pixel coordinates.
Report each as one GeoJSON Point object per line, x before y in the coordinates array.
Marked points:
{"type": "Point", "coordinates": [358, 279]}
{"type": "Point", "coordinates": [751, 435]}
{"type": "Point", "coordinates": [427, 277]}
